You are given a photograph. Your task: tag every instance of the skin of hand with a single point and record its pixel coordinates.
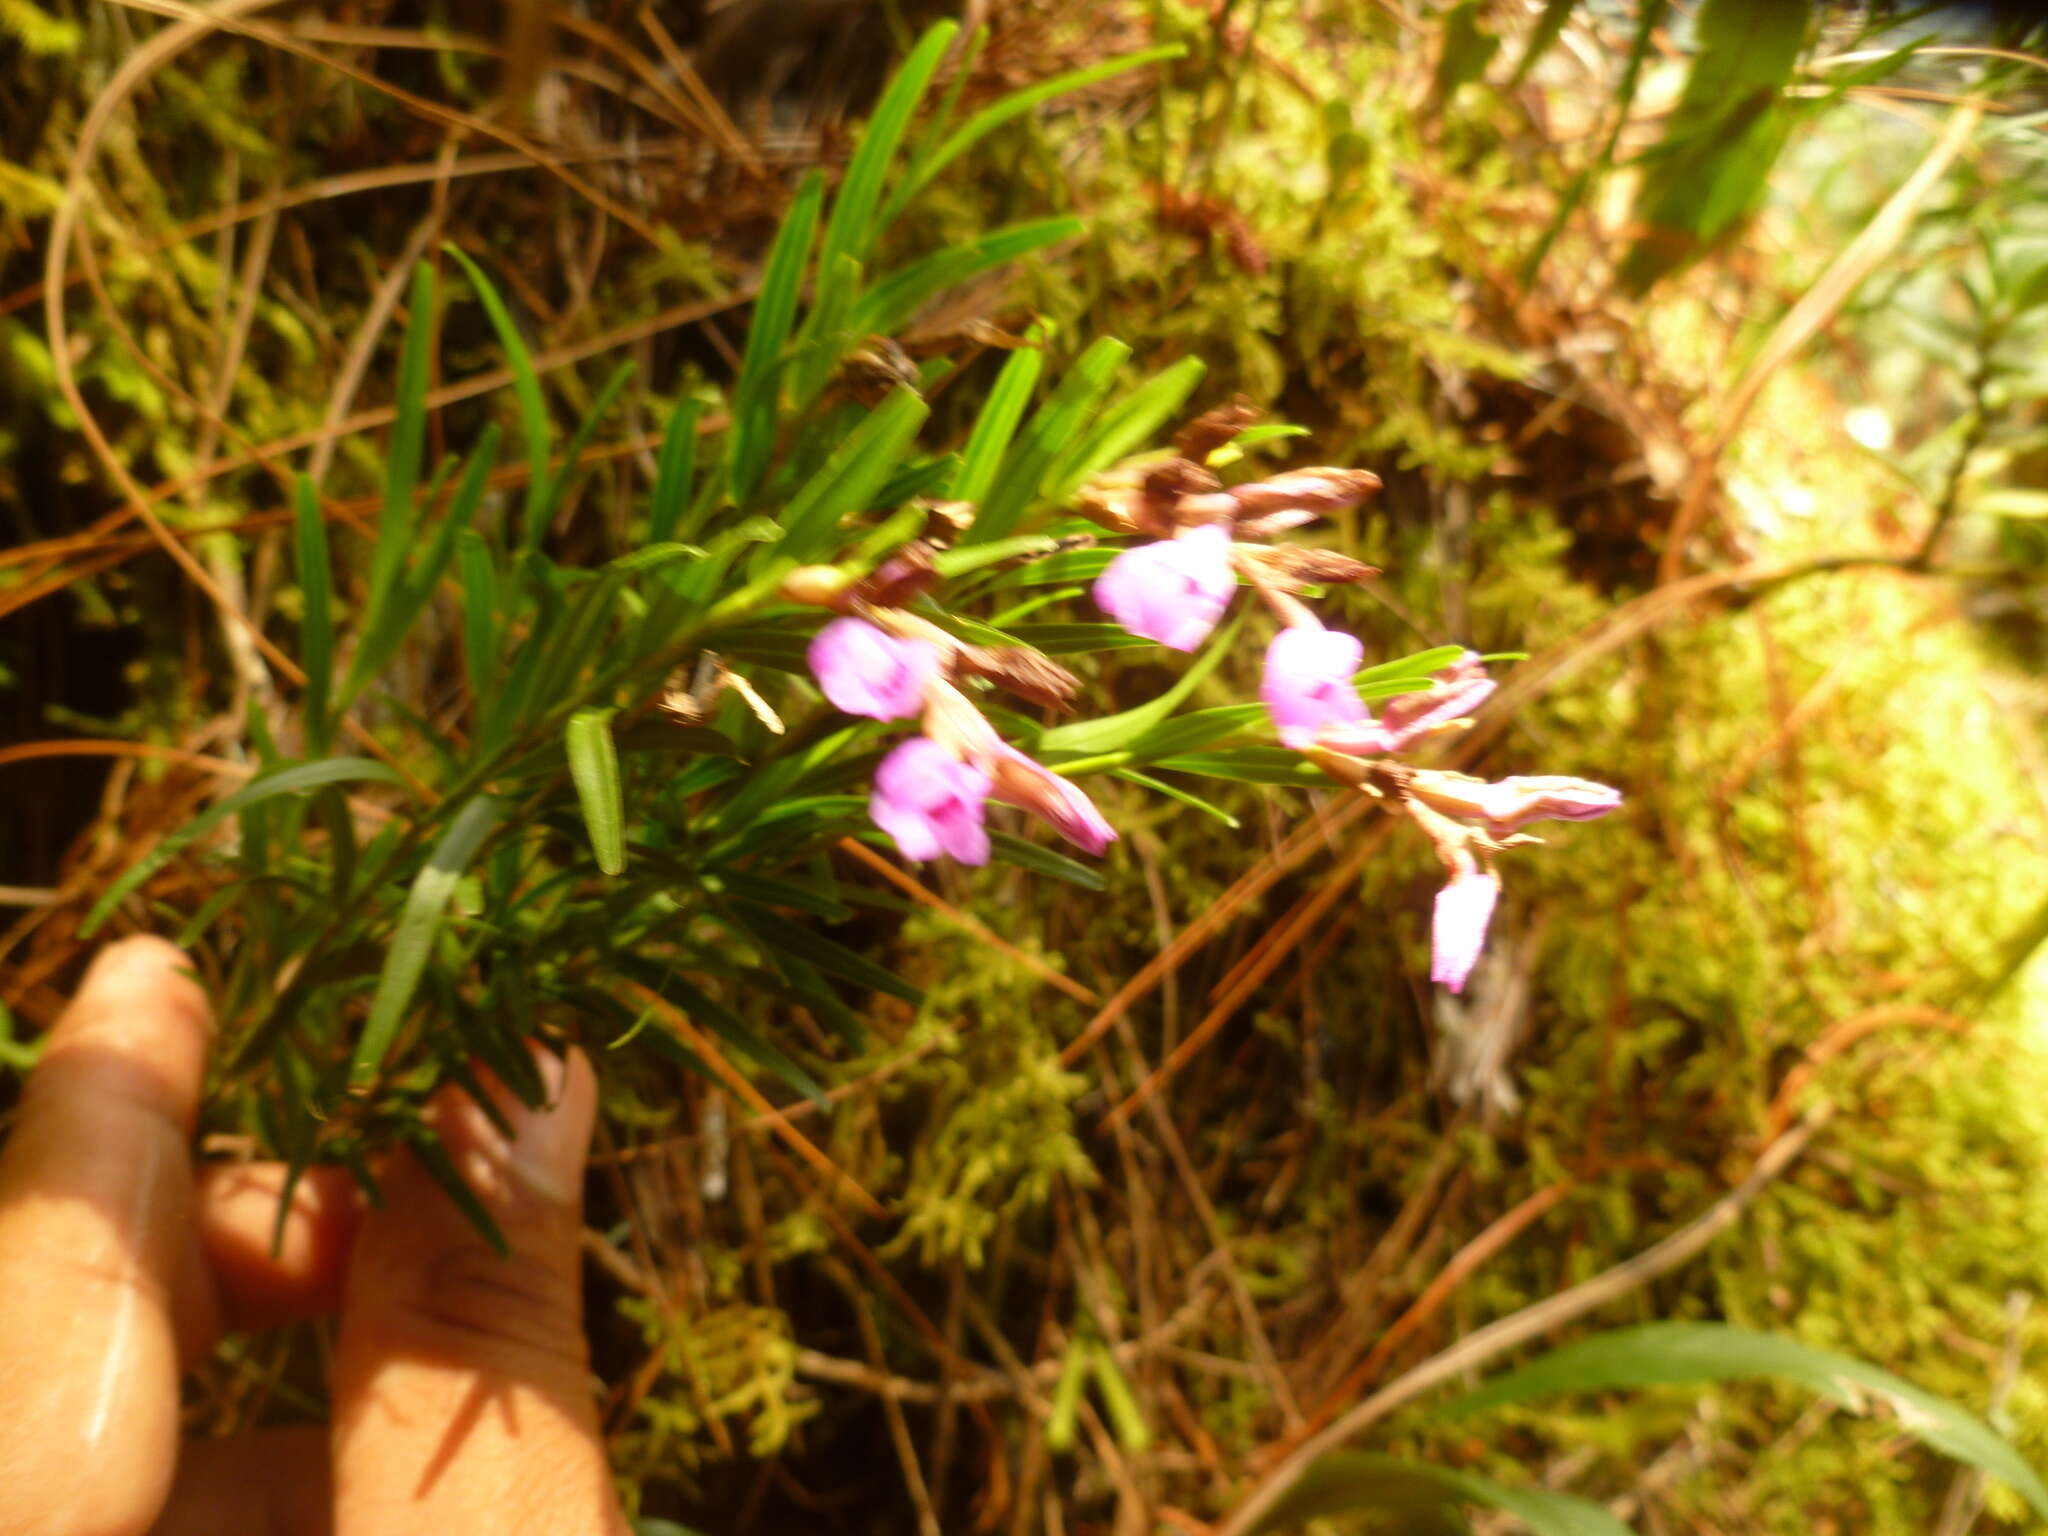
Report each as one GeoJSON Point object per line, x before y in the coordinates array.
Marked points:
{"type": "Point", "coordinates": [461, 1384]}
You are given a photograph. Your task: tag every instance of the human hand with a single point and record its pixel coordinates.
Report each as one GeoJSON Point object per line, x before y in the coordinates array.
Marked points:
{"type": "Point", "coordinates": [461, 1388]}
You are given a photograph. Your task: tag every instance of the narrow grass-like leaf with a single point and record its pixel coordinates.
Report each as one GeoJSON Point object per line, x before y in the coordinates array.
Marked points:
{"type": "Point", "coordinates": [997, 423]}
{"type": "Point", "coordinates": [479, 577]}
{"type": "Point", "coordinates": [541, 510]}
{"type": "Point", "coordinates": [889, 303]}
{"type": "Point", "coordinates": [1247, 765]}
{"type": "Point", "coordinates": [594, 766]}
{"type": "Point", "coordinates": [852, 228]}
{"type": "Point", "coordinates": [1013, 106]}
{"type": "Point", "coordinates": [426, 906]}
{"type": "Point", "coordinates": [1041, 860]}
{"type": "Point", "coordinates": [1052, 427]}
{"type": "Point", "coordinates": [316, 620]}
{"type": "Point", "coordinates": [1113, 732]}
{"type": "Point", "coordinates": [426, 1146]}
{"type": "Point", "coordinates": [952, 563]}
{"type": "Point", "coordinates": [1420, 664]}
{"type": "Point", "coordinates": [534, 424]}
{"type": "Point", "coordinates": [1065, 1417]}
{"type": "Point", "coordinates": [824, 337]}
{"type": "Point", "coordinates": [408, 439]}
{"type": "Point", "coordinates": [673, 472]}
{"type": "Point", "coordinates": [857, 468]}
{"type": "Point", "coordinates": [286, 781]}
{"type": "Point", "coordinates": [392, 614]}
{"type": "Point", "coordinates": [1426, 1497]}
{"type": "Point", "coordinates": [1076, 639]}
{"type": "Point", "coordinates": [1175, 792]}
{"type": "Point", "coordinates": [752, 435]}
{"type": "Point", "coordinates": [729, 1027]}
{"type": "Point", "coordinates": [1124, 427]}
{"type": "Point", "coordinates": [778, 937]}
{"type": "Point", "coordinates": [1549, 28]}
{"type": "Point", "coordinates": [1663, 1353]}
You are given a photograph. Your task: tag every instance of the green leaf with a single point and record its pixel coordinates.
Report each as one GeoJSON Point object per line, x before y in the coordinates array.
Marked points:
{"type": "Point", "coordinates": [1712, 166]}
{"type": "Point", "coordinates": [1114, 732]}
{"type": "Point", "coordinates": [316, 623]}
{"type": "Point", "coordinates": [1065, 1417]}
{"type": "Point", "coordinates": [1467, 49]}
{"type": "Point", "coordinates": [285, 781]}
{"type": "Point", "coordinates": [1073, 639]}
{"type": "Point", "coordinates": [534, 425]}
{"type": "Point", "coordinates": [853, 226]}
{"type": "Point", "coordinates": [825, 335]}
{"type": "Point", "coordinates": [1041, 860]}
{"type": "Point", "coordinates": [997, 423]}
{"type": "Point", "coordinates": [1248, 765]}
{"type": "Point", "coordinates": [594, 766]}
{"type": "Point", "coordinates": [1174, 792]}
{"type": "Point", "coordinates": [1356, 1482]}
{"type": "Point", "coordinates": [951, 563]}
{"type": "Point", "coordinates": [1015, 105]}
{"type": "Point", "coordinates": [1664, 1353]}
{"type": "Point", "coordinates": [673, 472]}
{"type": "Point", "coordinates": [426, 905]}
{"type": "Point", "coordinates": [1419, 665]}
{"type": "Point", "coordinates": [1549, 28]}
{"type": "Point", "coordinates": [433, 1156]}
{"type": "Point", "coordinates": [857, 468]}
{"type": "Point", "coordinates": [479, 576]}
{"type": "Point", "coordinates": [778, 936]}
{"type": "Point", "coordinates": [891, 302]}
{"type": "Point", "coordinates": [704, 1011]}
{"type": "Point", "coordinates": [752, 436]}
{"type": "Point", "coordinates": [1125, 427]}
{"type": "Point", "coordinates": [408, 439]}
{"type": "Point", "coordinates": [392, 612]}
{"type": "Point", "coordinates": [1052, 427]}
{"type": "Point", "coordinates": [541, 510]}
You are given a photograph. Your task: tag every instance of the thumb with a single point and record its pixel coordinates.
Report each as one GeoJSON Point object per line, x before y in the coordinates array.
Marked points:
{"type": "Point", "coordinates": [462, 1384]}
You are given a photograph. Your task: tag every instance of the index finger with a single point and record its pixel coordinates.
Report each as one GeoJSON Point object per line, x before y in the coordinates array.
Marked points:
{"type": "Point", "coordinates": [95, 1214]}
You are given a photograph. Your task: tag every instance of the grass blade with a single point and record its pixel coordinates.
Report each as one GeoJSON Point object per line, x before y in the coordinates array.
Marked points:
{"type": "Point", "coordinates": [286, 781]}
{"type": "Point", "coordinates": [997, 423]}
{"type": "Point", "coordinates": [426, 905]}
{"type": "Point", "coordinates": [316, 622]}
{"type": "Point", "coordinates": [594, 766]}
{"type": "Point", "coordinates": [479, 612]}
{"type": "Point", "coordinates": [534, 425]}
{"type": "Point", "coordinates": [1015, 105]}
{"type": "Point", "coordinates": [892, 301]}
{"type": "Point", "coordinates": [852, 228]}
{"type": "Point", "coordinates": [408, 439]}
{"type": "Point", "coordinates": [540, 512]}
{"type": "Point", "coordinates": [674, 471]}
{"type": "Point", "coordinates": [752, 437]}
{"type": "Point", "coordinates": [1125, 426]}
{"type": "Point", "coordinates": [858, 468]}
{"type": "Point", "coordinates": [1052, 427]}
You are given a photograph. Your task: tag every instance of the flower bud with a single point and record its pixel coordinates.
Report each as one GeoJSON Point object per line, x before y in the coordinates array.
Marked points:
{"type": "Point", "coordinates": [817, 586]}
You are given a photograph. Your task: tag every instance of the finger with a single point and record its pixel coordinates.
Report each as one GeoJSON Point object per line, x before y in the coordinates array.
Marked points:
{"type": "Point", "coordinates": [462, 1385]}
{"type": "Point", "coordinates": [275, 1481]}
{"type": "Point", "coordinates": [264, 1282]}
{"type": "Point", "coordinates": [95, 1202]}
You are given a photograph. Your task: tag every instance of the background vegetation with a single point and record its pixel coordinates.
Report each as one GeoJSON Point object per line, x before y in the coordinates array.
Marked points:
{"type": "Point", "coordinates": [1698, 349]}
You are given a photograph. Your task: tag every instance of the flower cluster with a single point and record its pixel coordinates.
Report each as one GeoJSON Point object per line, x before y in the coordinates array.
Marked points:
{"type": "Point", "coordinates": [931, 792]}
{"type": "Point", "coordinates": [1201, 541]}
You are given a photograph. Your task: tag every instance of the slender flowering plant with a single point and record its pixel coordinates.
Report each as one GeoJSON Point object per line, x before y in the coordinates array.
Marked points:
{"type": "Point", "coordinates": [1199, 542]}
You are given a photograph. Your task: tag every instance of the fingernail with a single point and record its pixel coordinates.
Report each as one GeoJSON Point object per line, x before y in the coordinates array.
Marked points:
{"type": "Point", "coordinates": [549, 1143]}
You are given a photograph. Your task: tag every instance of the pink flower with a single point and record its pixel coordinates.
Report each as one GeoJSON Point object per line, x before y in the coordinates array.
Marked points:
{"type": "Point", "coordinates": [1307, 686]}
{"type": "Point", "coordinates": [1463, 910]}
{"type": "Point", "coordinates": [1057, 801]}
{"type": "Point", "coordinates": [1173, 590]}
{"type": "Point", "coordinates": [931, 802]}
{"type": "Point", "coordinates": [865, 671]}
